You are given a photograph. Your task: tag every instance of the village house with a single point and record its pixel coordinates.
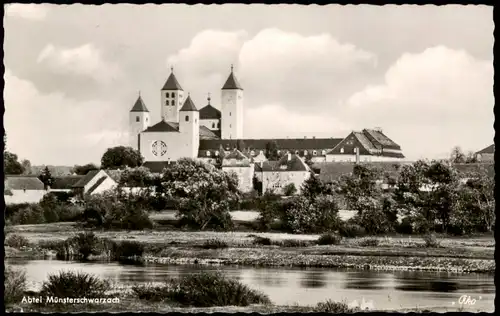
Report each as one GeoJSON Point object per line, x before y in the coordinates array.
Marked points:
{"type": "Point", "coordinates": [487, 154]}
{"type": "Point", "coordinates": [23, 189]}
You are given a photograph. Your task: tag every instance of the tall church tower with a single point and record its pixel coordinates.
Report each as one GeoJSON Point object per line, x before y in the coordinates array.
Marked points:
{"type": "Point", "coordinates": [189, 127]}
{"type": "Point", "coordinates": [139, 120]}
{"type": "Point", "coordinates": [232, 108]}
{"type": "Point", "coordinates": [171, 98]}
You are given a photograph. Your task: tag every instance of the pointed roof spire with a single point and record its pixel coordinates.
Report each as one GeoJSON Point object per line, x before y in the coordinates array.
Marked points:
{"type": "Point", "coordinates": [232, 82]}
{"type": "Point", "coordinates": [139, 105]}
{"type": "Point", "coordinates": [172, 83]}
{"type": "Point", "coordinates": [208, 98]}
{"type": "Point", "coordinates": [188, 105]}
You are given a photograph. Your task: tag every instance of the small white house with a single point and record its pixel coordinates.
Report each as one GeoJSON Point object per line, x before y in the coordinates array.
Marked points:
{"type": "Point", "coordinates": [239, 164]}
{"type": "Point", "coordinates": [23, 189]}
{"type": "Point", "coordinates": [95, 181]}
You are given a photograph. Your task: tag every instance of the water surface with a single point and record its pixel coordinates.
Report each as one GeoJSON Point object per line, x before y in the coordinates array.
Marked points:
{"type": "Point", "coordinates": [287, 286]}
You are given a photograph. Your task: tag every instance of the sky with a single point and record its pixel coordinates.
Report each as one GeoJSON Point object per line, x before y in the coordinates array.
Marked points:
{"type": "Point", "coordinates": [423, 74]}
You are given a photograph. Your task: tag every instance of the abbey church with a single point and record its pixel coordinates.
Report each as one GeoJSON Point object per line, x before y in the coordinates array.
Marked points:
{"type": "Point", "coordinates": [184, 130]}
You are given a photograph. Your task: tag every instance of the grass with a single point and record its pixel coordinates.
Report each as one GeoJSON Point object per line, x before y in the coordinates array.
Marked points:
{"type": "Point", "coordinates": [15, 285]}
{"type": "Point", "coordinates": [16, 241]}
{"type": "Point", "coordinates": [75, 284]}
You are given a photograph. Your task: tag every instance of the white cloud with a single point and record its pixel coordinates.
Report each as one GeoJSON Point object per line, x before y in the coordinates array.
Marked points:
{"type": "Point", "coordinates": [85, 60]}
{"type": "Point", "coordinates": [432, 101]}
{"type": "Point", "coordinates": [26, 11]}
{"type": "Point", "coordinates": [54, 129]}
{"type": "Point", "coordinates": [275, 121]}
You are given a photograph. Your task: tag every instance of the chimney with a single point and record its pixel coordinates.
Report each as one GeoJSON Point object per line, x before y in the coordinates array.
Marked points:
{"type": "Point", "coordinates": [357, 154]}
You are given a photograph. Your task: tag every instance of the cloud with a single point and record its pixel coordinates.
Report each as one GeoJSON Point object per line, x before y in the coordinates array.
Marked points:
{"type": "Point", "coordinates": [85, 60]}
{"type": "Point", "coordinates": [432, 101]}
{"type": "Point", "coordinates": [278, 121]}
{"type": "Point", "coordinates": [27, 11]}
{"type": "Point", "coordinates": [54, 129]}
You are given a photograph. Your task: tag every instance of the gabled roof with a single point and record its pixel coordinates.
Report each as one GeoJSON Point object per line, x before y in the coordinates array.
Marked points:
{"type": "Point", "coordinates": [209, 113]}
{"type": "Point", "coordinates": [97, 184]}
{"type": "Point", "coordinates": [65, 183]}
{"type": "Point", "coordinates": [114, 174]}
{"type": "Point", "coordinates": [139, 106]}
{"type": "Point", "coordinates": [206, 133]}
{"type": "Point", "coordinates": [86, 179]}
{"type": "Point", "coordinates": [488, 150]}
{"type": "Point", "coordinates": [377, 137]}
{"type": "Point", "coordinates": [295, 163]}
{"type": "Point", "coordinates": [369, 142]}
{"type": "Point", "coordinates": [232, 82]}
{"type": "Point", "coordinates": [163, 126]}
{"type": "Point", "coordinates": [172, 83]}
{"type": "Point", "coordinates": [20, 182]}
{"type": "Point", "coordinates": [188, 105]}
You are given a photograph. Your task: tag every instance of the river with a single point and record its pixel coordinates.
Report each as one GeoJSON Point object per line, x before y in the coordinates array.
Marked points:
{"type": "Point", "coordinates": [288, 286]}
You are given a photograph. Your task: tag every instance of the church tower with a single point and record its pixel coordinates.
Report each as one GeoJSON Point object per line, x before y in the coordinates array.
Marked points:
{"type": "Point", "coordinates": [171, 98]}
{"type": "Point", "coordinates": [139, 120]}
{"type": "Point", "coordinates": [189, 127]}
{"type": "Point", "coordinates": [232, 108]}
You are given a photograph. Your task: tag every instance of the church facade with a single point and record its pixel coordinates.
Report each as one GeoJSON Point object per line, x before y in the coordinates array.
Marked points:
{"type": "Point", "coordinates": [186, 131]}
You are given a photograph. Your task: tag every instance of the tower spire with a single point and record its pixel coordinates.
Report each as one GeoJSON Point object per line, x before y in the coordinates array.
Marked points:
{"type": "Point", "coordinates": [231, 67]}
{"type": "Point", "coordinates": [208, 98]}
{"type": "Point", "coordinates": [171, 68]}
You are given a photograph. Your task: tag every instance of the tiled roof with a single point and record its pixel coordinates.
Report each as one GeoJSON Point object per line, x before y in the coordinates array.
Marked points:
{"type": "Point", "coordinates": [139, 106]}
{"type": "Point", "coordinates": [172, 83]}
{"type": "Point", "coordinates": [367, 146]}
{"type": "Point", "coordinates": [209, 113]}
{"type": "Point", "coordinates": [64, 183]}
{"type": "Point", "coordinates": [86, 179]}
{"type": "Point", "coordinates": [188, 105]}
{"type": "Point", "coordinates": [163, 126]}
{"type": "Point", "coordinates": [19, 182]}
{"type": "Point", "coordinates": [206, 133]}
{"type": "Point", "coordinates": [97, 184]}
{"type": "Point", "coordinates": [379, 138]}
{"type": "Point", "coordinates": [232, 83]}
{"type": "Point", "coordinates": [283, 144]}
{"type": "Point", "coordinates": [284, 164]}
{"type": "Point", "coordinates": [488, 150]}
{"type": "Point", "coordinates": [157, 166]}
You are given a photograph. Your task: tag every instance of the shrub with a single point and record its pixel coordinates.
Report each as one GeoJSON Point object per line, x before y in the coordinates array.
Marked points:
{"type": "Point", "coordinates": [74, 284]}
{"type": "Point", "coordinates": [149, 292]}
{"type": "Point", "coordinates": [330, 306]}
{"type": "Point", "coordinates": [16, 241]}
{"type": "Point", "coordinates": [290, 189]}
{"type": "Point", "coordinates": [212, 289]}
{"type": "Point", "coordinates": [214, 244]}
{"type": "Point", "coordinates": [70, 213]}
{"type": "Point", "coordinates": [86, 244]}
{"type": "Point", "coordinates": [30, 214]}
{"type": "Point", "coordinates": [136, 219]}
{"type": "Point", "coordinates": [126, 249]}
{"type": "Point", "coordinates": [405, 227]}
{"type": "Point", "coordinates": [295, 243]}
{"type": "Point", "coordinates": [15, 285]}
{"type": "Point", "coordinates": [351, 230]}
{"type": "Point", "coordinates": [262, 241]}
{"type": "Point", "coordinates": [329, 239]}
{"type": "Point", "coordinates": [369, 242]}
{"type": "Point", "coordinates": [431, 241]}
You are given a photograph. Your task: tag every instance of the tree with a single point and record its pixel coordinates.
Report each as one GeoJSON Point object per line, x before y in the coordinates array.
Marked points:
{"type": "Point", "coordinates": [120, 157]}
{"type": "Point", "coordinates": [11, 165]}
{"type": "Point", "coordinates": [46, 177]}
{"type": "Point", "coordinates": [83, 170]}
{"type": "Point", "coordinates": [457, 155]}
{"type": "Point", "coordinates": [313, 187]}
{"type": "Point", "coordinates": [26, 166]}
{"type": "Point", "coordinates": [204, 194]}
{"type": "Point", "coordinates": [219, 160]}
{"type": "Point", "coordinates": [471, 157]}
{"type": "Point", "coordinates": [361, 183]}
{"type": "Point", "coordinates": [272, 151]}
{"type": "Point", "coordinates": [290, 189]}
{"type": "Point", "coordinates": [308, 159]}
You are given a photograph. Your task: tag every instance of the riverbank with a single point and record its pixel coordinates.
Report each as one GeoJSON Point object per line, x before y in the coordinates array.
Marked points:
{"type": "Point", "coordinates": [239, 248]}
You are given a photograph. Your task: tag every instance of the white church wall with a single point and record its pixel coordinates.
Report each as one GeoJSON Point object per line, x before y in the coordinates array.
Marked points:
{"type": "Point", "coordinates": [232, 114]}
{"type": "Point", "coordinates": [177, 146]}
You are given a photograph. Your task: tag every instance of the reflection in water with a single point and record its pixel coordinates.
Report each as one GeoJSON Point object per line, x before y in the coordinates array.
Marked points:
{"type": "Point", "coordinates": [313, 279]}
{"type": "Point", "coordinates": [306, 287]}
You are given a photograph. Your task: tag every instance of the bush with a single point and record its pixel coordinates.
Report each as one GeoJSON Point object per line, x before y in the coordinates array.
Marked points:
{"type": "Point", "coordinates": [351, 230]}
{"type": "Point", "coordinates": [431, 241]}
{"type": "Point", "coordinates": [212, 289]}
{"type": "Point", "coordinates": [262, 241]}
{"type": "Point", "coordinates": [16, 241]}
{"type": "Point", "coordinates": [74, 284]}
{"type": "Point", "coordinates": [86, 244]}
{"type": "Point", "coordinates": [290, 189]}
{"type": "Point", "coordinates": [311, 215]}
{"type": "Point", "coordinates": [15, 285]}
{"type": "Point", "coordinates": [149, 292]}
{"type": "Point", "coordinates": [126, 249]}
{"type": "Point", "coordinates": [30, 214]}
{"type": "Point", "coordinates": [295, 243]}
{"type": "Point", "coordinates": [330, 306]}
{"type": "Point", "coordinates": [405, 227]}
{"type": "Point", "coordinates": [369, 242]}
{"type": "Point", "coordinates": [329, 239]}
{"type": "Point", "coordinates": [214, 244]}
